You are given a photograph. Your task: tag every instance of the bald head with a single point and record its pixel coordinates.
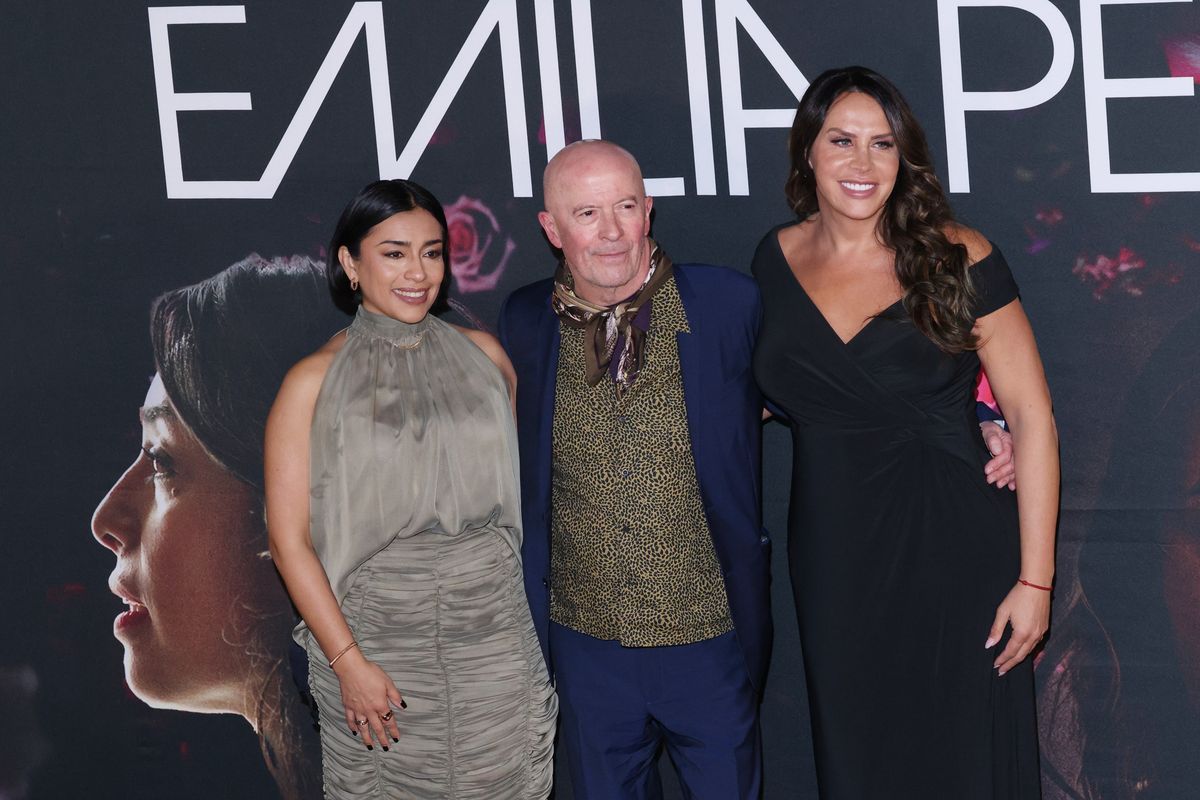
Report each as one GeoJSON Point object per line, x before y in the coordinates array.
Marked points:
{"type": "Point", "coordinates": [598, 215]}
{"type": "Point", "coordinates": [587, 157]}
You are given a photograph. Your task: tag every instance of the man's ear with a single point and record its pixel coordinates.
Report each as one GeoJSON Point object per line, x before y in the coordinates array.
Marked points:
{"type": "Point", "coordinates": [546, 220]}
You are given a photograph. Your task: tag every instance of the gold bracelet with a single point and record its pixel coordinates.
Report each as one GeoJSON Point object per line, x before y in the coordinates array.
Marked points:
{"type": "Point", "coordinates": [342, 652]}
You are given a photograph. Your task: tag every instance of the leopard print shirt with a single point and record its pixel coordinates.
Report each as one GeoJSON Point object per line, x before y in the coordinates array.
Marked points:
{"type": "Point", "coordinates": [632, 557]}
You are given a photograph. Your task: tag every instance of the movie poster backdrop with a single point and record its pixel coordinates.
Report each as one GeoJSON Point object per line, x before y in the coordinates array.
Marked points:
{"type": "Point", "coordinates": [148, 148]}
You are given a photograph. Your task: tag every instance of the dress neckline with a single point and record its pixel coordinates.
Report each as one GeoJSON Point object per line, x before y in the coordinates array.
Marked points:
{"type": "Point", "coordinates": [871, 320]}
{"type": "Point", "coordinates": [405, 335]}
{"type": "Point", "coordinates": [881, 313]}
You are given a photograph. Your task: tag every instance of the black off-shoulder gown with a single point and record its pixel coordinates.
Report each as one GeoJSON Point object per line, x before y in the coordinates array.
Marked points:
{"type": "Point", "coordinates": [899, 549]}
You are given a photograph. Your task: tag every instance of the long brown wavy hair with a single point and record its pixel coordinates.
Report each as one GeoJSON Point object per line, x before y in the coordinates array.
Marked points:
{"type": "Point", "coordinates": [932, 270]}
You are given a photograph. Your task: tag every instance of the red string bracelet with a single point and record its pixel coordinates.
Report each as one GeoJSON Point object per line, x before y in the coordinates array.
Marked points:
{"type": "Point", "coordinates": [1024, 582]}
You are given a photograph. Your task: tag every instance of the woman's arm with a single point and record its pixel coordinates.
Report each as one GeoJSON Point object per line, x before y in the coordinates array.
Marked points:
{"type": "Point", "coordinates": [1010, 358]}
{"type": "Point", "coordinates": [366, 689]}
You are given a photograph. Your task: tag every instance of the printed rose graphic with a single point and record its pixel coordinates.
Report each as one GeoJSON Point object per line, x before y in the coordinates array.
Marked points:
{"type": "Point", "coordinates": [1120, 272]}
{"type": "Point", "coordinates": [476, 261]}
{"type": "Point", "coordinates": [1183, 56]}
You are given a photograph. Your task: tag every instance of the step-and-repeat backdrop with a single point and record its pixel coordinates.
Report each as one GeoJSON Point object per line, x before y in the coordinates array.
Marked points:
{"type": "Point", "coordinates": [148, 147]}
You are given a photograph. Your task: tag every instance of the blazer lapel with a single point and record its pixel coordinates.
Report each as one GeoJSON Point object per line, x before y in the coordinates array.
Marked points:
{"type": "Point", "coordinates": [692, 368]}
{"type": "Point", "coordinates": [548, 338]}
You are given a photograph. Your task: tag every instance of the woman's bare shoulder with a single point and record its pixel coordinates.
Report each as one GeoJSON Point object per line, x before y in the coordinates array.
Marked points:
{"type": "Point", "coordinates": [978, 246]}
{"type": "Point", "coordinates": [481, 339]}
{"type": "Point", "coordinates": [492, 348]}
{"type": "Point", "coordinates": [303, 380]}
{"type": "Point", "coordinates": [797, 234]}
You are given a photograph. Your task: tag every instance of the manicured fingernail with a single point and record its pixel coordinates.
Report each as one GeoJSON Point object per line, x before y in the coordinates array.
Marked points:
{"type": "Point", "coordinates": [395, 740]}
{"type": "Point", "coordinates": [1000, 674]}
{"type": "Point", "coordinates": [370, 748]}
{"type": "Point", "coordinates": [385, 748]}
{"type": "Point", "coordinates": [354, 733]}
{"type": "Point", "coordinates": [990, 643]}
{"type": "Point", "coordinates": [403, 704]}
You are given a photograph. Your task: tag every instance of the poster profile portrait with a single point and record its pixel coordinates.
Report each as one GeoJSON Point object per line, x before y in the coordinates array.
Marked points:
{"type": "Point", "coordinates": [207, 624]}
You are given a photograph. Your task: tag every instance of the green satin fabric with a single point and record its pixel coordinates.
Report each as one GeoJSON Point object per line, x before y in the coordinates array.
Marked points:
{"type": "Point", "coordinates": [412, 432]}
{"type": "Point", "coordinates": [415, 515]}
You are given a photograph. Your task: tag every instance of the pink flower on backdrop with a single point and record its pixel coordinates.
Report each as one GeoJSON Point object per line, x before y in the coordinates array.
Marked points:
{"type": "Point", "coordinates": [1039, 229]}
{"type": "Point", "coordinates": [477, 261]}
{"type": "Point", "coordinates": [1121, 272]}
{"type": "Point", "coordinates": [1183, 56]}
{"type": "Point", "coordinates": [1049, 216]}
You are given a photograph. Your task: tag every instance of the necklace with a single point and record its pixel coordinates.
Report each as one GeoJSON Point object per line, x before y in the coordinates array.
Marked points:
{"type": "Point", "coordinates": [413, 345]}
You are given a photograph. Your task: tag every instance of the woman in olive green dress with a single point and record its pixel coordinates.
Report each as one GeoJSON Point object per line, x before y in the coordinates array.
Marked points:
{"type": "Point", "coordinates": [394, 518]}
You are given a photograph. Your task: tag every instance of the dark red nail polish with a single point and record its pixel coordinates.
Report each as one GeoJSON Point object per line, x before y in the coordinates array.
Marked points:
{"type": "Point", "coordinates": [403, 704]}
{"type": "Point", "coordinates": [370, 748]}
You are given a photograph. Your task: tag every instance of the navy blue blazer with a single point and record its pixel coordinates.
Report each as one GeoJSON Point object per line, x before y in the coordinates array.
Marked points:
{"type": "Point", "coordinates": [724, 413]}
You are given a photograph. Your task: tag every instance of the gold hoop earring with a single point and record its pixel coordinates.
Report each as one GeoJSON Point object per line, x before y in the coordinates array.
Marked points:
{"type": "Point", "coordinates": [354, 284]}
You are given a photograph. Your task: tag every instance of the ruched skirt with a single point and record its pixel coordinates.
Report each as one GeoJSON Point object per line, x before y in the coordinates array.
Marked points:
{"type": "Point", "coordinates": [446, 617]}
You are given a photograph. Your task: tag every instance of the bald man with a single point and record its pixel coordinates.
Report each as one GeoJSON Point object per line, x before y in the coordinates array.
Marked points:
{"type": "Point", "coordinates": [646, 566]}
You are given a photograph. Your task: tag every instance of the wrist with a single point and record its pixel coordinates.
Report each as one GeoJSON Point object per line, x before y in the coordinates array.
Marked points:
{"type": "Point", "coordinates": [1043, 585]}
{"type": "Point", "coordinates": [349, 662]}
{"type": "Point", "coordinates": [346, 660]}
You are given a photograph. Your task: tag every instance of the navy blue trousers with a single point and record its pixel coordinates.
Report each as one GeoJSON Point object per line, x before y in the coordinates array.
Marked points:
{"type": "Point", "coordinates": [618, 706]}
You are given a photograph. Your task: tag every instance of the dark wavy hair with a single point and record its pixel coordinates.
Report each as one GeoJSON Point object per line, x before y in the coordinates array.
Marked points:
{"type": "Point", "coordinates": [376, 202]}
{"type": "Point", "coordinates": [223, 345]}
{"type": "Point", "coordinates": [932, 270]}
{"type": "Point", "coordinates": [222, 348]}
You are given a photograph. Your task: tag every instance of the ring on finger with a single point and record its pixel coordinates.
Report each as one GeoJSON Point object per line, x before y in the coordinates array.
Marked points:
{"type": "Point", "coordinates": [386, 717]}
{"type": "Point", "coordinates": [362, 723]}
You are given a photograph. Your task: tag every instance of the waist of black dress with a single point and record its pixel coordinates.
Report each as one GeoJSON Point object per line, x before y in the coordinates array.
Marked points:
{"type": "Point", "coordinates": [959, 437]}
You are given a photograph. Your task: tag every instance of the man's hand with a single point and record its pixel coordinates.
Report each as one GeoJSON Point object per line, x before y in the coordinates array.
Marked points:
{"type": "Point", "coordinates": [1001, 471]}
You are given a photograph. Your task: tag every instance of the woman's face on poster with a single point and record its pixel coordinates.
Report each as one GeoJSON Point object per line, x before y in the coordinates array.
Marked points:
{"type": "Point", "coordinates": [185, 532]}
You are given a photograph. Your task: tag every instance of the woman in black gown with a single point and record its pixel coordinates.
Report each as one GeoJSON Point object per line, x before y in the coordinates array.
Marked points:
{"type": "Point", "coordinates": [920, 590]}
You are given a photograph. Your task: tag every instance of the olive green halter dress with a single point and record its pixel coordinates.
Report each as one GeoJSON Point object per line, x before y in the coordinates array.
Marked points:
{"type": "Point", "coordinates": [415, 515]}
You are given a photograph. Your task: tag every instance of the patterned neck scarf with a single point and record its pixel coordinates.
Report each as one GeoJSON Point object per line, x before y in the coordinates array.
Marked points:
{"type": "Point", "coordinates": [607, 326]}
